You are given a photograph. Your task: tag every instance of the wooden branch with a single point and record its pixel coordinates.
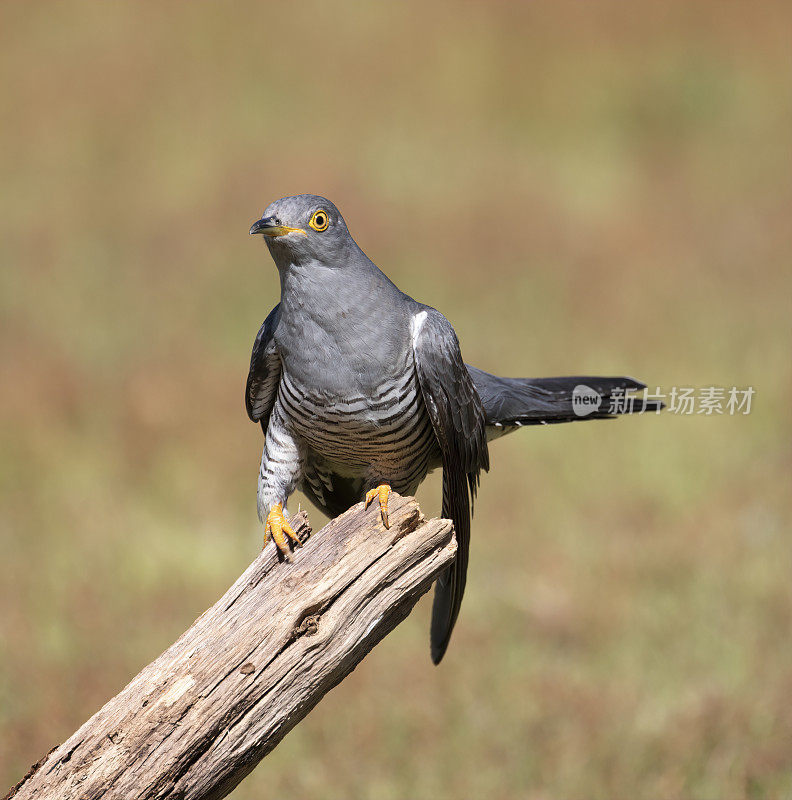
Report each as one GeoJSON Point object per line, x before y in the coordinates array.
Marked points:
{"type": "Point", "coordinates": [200, 717]}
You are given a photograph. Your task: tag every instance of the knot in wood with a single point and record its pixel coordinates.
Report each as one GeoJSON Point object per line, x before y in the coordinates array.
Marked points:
{"type": "Point", "coordinates": [309, 626]}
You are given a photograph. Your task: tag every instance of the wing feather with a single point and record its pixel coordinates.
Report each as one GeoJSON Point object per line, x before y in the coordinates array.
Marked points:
{"type": "Point", "coordinates": [265, 371]}
{"type": "Point", "coordinates": [459, 421]}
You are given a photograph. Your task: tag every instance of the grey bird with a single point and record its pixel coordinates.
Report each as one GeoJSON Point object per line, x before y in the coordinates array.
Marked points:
{"type": "Point", "coordinates": [361, 390]}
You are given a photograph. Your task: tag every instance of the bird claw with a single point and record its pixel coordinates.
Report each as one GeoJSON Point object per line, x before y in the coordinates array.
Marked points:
{"type": "Point", "coordinates": [382, 492]}
{"type": "Point", "coordinates": [277, 525]}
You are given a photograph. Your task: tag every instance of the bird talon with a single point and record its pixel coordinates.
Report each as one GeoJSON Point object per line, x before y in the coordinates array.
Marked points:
{"type": "Point", "coordinates": [281, 531]}
{"type": "Point", "coordinates": [382, 492]}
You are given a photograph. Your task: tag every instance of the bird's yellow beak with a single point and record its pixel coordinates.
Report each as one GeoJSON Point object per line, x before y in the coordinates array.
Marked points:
{"type": "Point", "coordinates": [271, 226]}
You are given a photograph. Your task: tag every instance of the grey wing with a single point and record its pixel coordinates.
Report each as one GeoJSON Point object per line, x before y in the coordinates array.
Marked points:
{"type": "Point", "coordinates": [265, 371]}
{"type": "Point", "coordinates": [459, 421]}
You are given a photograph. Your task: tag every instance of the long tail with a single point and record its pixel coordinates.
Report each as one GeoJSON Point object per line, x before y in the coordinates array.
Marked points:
{"type": "Point", "coordinates": [513, 402]}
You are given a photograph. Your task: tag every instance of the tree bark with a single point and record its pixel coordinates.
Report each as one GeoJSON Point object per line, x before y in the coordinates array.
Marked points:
{"type": "Point", "coordinates": [197, 720]}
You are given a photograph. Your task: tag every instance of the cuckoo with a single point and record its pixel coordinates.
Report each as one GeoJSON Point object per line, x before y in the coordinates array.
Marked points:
{"type": "Point", "coordinates": [361, 390]}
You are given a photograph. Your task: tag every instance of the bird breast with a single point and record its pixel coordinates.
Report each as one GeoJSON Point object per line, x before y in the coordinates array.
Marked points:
{"type": "Point", "coordinates": [385, 431]}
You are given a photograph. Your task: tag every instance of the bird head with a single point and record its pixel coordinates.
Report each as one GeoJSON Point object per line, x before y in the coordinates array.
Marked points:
{"type": "Point", "coordinates": [302, 228]}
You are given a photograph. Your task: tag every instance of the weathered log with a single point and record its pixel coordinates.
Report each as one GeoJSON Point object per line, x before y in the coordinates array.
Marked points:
{"type": "Point", "coordinates": [197, 720]}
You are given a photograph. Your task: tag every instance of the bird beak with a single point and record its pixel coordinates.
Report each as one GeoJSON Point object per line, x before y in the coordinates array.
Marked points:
{"type": "Point", "coordinates": [271, 226]}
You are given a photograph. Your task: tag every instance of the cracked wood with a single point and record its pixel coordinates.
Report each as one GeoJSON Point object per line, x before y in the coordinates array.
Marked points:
{"type": "Point", "coordinates": [197, 720]}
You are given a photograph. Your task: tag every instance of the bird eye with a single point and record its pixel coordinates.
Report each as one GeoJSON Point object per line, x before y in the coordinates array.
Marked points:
{"type": "Point", "coordinates": [319, 221]}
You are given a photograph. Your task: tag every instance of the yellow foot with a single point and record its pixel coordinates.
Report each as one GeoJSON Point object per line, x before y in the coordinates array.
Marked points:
{"type": "Point", "coordinates": [382, 492]}
{"type": "Point", "coordinates": [277, 525]}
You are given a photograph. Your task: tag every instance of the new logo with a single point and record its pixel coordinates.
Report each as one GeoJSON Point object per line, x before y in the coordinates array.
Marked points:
{"type": "Point", "coordinates": [585, 400]}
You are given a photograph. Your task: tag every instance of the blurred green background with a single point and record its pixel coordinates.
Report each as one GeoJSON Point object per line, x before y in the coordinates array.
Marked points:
{"type": "Point", "coordinates": [580, 187]}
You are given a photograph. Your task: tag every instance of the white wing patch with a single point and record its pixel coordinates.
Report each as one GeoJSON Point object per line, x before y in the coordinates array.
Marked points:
{"type": "Point", "coordinates": [415, 326]}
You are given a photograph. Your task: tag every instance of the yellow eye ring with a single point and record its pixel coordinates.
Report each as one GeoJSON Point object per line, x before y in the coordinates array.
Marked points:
{"type": "Point", "coordinates": [320, 220]}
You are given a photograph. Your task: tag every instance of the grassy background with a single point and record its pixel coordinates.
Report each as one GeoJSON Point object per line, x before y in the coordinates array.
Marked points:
{"type": "Point", "coordinates": [599, 187]}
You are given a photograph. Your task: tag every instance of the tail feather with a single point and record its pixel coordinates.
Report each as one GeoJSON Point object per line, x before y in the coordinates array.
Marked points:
{"type": "Point", "coordinates": [542, 401]}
